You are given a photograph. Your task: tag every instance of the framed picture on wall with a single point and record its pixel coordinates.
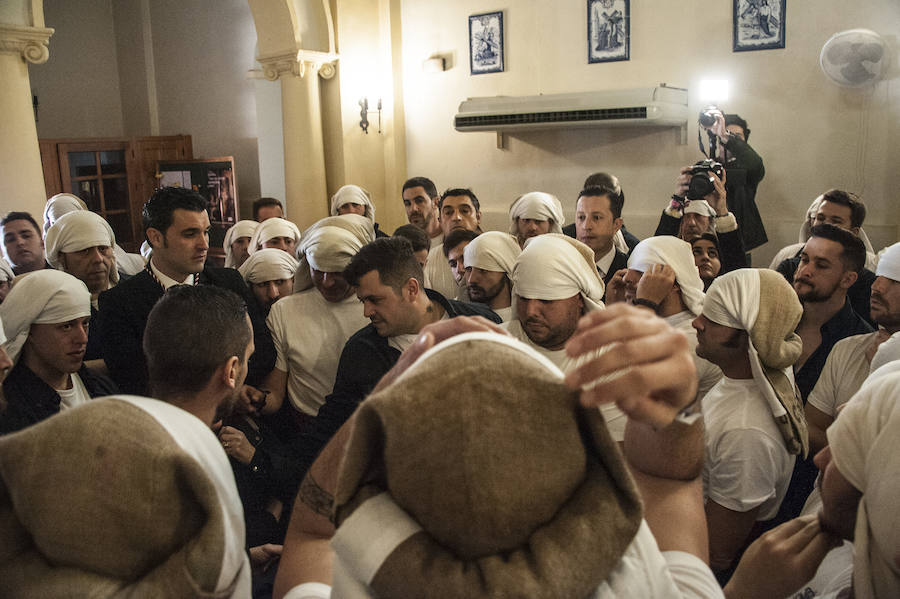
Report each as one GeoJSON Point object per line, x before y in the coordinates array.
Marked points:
{"type": "Point", "coordinates": [758, 24]}
{"type": "Point", "coordinates": [486, 43]}
{"type": "Point", "coordinates": [608, 30]}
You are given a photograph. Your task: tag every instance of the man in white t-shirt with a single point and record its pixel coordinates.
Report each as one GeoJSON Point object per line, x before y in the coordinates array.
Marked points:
{"type": "Point", "coordinates": [310, 327]}
{"type": "Point", "coordinates": [847, 366]}
{"type": "Point", "coordinates": [754, 415]}
{"type": "Point", "coordinates": [489, 260]}
{"type": "Point", "coordinates": [457, 209]}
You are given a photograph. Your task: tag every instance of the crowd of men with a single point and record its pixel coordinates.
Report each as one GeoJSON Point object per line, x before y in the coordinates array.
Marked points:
{"type": "Point", "coordinates": [544, 411]}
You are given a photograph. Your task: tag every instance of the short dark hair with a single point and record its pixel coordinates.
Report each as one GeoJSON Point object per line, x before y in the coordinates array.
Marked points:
{"type": "Point", "coordinates": [191, 331]}
{"type": "Point", "coordinates": [851, 200]}
{"type": "Point", "coordinates": [708, 236]}
{"type": "Point", "coordinates": [391, 257]}
{"type": "Point", "coordinates": [262, 203]}
{"type": "Point", "coordinates": [158, 210]}
{"type": "Point", "coordinates": [615, 200]}
{"type": "Point", "coordinates": [734, 119]}
{"type": "Point", "coordinates": [423, 182]}
{"type": "Point", "coordinates": [456, 237]}
{"type": "Point", "coordinates": [415, 236]}
{"type": "Point", "coordinates": [854, 253]}
{"type": "Point", "coordinates": [460, 191]}
{"type": "Point", "coordinates": [605, 180]}
{"type": "Point", "coordinates": [21, 216]}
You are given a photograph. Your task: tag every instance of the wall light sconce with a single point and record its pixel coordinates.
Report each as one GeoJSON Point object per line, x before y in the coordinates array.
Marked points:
{"type": "Point", "coordinates": [364, 114]}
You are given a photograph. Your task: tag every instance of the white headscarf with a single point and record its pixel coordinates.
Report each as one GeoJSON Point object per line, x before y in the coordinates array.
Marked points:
{"type": "Point", "coordinates": [537, 205]}
{"type": "Point", "coordinates": [41, 297]}
{"type": "Point", "coordinates": [888, 351]}
{"type": "Point", "coordinates": [863, 442]}
{"type": "Point", "coordinates": [75, 231]}
{"type": "Point", "coordinates": [61, 203]}
{"type": "Point", "coordinates": [268, 264]}
{"type": "Point", "coordinates": [555, 267]}
{"type": "Point", "coordinates": [494, 251]}
{"type": "Point", "coordinates": [353, 194]}
{"type": "Point", "coordinates": [701, 207]}
{"type": "Point", "coordinates": [6, 273]}
{"type": "Point", "coordinates": [271, 228]}
{"type": "Point", "coordinates": [889, 263]}
{"type": "Point", "coordinates": [330, 244]}
{"type": "Point", "coordinates": [677, 253]}
{"type": "Point", "coordinates": [242, 228]}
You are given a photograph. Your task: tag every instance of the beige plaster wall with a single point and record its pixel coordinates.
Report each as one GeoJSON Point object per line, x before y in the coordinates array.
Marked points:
{"type": "Point", "coordinates": [811, 134]}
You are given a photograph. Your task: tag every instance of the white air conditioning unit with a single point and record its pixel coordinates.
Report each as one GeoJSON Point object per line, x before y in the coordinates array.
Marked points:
{"type": "Point", "coordinates": [651, 106]}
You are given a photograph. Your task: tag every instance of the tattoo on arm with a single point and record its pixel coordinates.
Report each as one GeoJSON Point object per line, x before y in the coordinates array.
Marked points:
{"type": "Point", "coordinates": [316, 498]}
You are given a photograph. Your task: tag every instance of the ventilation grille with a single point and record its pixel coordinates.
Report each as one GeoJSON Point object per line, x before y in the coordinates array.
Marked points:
{"type": "Point", "coordinates": [563, 116]}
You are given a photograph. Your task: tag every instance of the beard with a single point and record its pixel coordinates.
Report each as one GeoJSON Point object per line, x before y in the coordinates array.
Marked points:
{"type": "Point", "coordinates": [810, 294]}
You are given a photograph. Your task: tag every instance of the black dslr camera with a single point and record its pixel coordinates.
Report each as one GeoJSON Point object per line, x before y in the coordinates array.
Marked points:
{"type": "Point", "coordinates": [701, 183]}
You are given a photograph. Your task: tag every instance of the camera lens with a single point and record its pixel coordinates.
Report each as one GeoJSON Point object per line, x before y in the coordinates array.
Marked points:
{"type": "Point", "coordinates": [707, 119]}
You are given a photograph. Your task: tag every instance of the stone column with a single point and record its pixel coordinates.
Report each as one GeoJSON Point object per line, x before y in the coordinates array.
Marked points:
{"type": "Point", "coordinates": [306, 193]}
{"type": "Point", "coordinates": [21, 175]}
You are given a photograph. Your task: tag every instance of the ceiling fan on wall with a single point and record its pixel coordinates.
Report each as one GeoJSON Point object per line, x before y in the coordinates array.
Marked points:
{"type": "Point", "coordinates": [855, 58]}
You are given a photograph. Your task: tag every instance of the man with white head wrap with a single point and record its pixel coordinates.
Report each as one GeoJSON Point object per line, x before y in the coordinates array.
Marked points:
{"type": "Point", "coordinates": [489, 261]}
{"type": "Point", "coordinates": [269, 273]}
{"type": "Point", "coordinates": [237, 242]}
{"type": "Point", "coordinates": [275, 233]}
{"type": "Point", "coordinates": [535, 213]}
{"type": "Point", "coordinates": [555, 283]}
{"type": "Point", "coordinates": [6, 278]}
{"type": "Point", "coordinates": [754, 415]}
{"type": "Point", "coordinates": [662, 277]}
{"type": "Point", "coordinates": [64, 203]}
{"type": "Point", "coordinates": [311, 326]}
{"type": "Point", "coordinates": [353, 199]}
{"type": "Point", "coordinates": [45, 317]}
{"type": "Point", "coordinates": [848, 363]}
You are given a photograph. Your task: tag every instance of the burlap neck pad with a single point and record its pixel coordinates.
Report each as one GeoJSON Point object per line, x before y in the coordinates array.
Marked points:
{"type": "Point", "coordinates": [100, 501]}
{"type": "Point", "coordinates": [515, 484]}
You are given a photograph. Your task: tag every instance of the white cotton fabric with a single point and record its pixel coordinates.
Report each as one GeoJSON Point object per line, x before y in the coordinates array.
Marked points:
{"type": "Point", "coordinates": [494, 251]}
{"type": "Point", "coordinates": [676, 253]}
{"type": "Point", "coordinates": [6, 273]}
{"type": "Point", "coordinates": [330, 244]}
{"type": "Point", "coordinates": [309, 334]}
{"type": "Point", "coordinates": [268, 264]}
{"type": "Point", "coordinates": [845, 370]}
{"type": "Point", "coordinates": [552, 267]}
{"type": "Point", "coordinates": [353, 194]}
{"type": "Point", "coordinates": [700, 207]}
{"type": "Point", "coordinates": [888, 351]}
{"type": "Point", "coordinates": [41, 297]}
{"type": "Point", "coordinates": [75, 231]}
{"type": "Point", "coordinates": [863, 442]}
{"type": "Point", "coordinates": [60, 204]}
{"type": "Point", "coordinates": [77, 395]}
{"type": "Point", "coordinates": [271, 228]}
{"type": "Point", "coordinates": [242, 228]}
{"type": "Point", "coordinates": [537, 205]}
{"type": "Point", "coordinates": [747, 464]}
{"type": "Point", "coordinates": [889, 264]}
{"type": "Point", "coordinates": [196, 439]}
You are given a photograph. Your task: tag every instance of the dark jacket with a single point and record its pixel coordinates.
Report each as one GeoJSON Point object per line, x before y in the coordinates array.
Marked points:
{"type": "Point", "coordinates": [731, 246]}
{"type": "Point", "coordinates": [30, 400]}
{"type": "Point", "coordinates": [744, 170]}
{"type": "Point", "coordinates": [123, 315]}
{"type": "Point", "coordinates": [630, 240]}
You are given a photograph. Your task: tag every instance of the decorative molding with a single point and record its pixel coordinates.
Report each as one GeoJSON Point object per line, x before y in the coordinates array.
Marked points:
{"type": "Point", "coordinates": [32, 43]}
{"type": "Point", "coordinates": [298, 64]}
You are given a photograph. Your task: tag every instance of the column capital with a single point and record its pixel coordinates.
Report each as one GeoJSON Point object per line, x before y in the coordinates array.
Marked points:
{"type": "Point", "coordinates": [29, 42]}
{"type": "Point", "coordinates": [298, 63]}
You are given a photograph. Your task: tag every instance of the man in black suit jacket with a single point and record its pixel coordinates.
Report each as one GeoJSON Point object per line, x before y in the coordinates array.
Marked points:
{"type": "Point", "coordinates": [598, 216]}
{"type": "Point", "coordinates": [176, 224]}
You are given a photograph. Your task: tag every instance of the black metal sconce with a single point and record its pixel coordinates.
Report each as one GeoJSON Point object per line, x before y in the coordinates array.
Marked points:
{"type": "Point", "coordinates": [364, 114]}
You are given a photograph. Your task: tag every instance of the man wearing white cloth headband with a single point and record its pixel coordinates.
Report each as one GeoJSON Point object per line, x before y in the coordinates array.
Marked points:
{"type": "Point", "coordinates": [275, 233]}
{"type": "Point", "coordinates": [45, 317]}
{"type": "Point", "coordinates": [310, 327]}
{"type": "Point", "coordinates": [353, 199]}
{"type": "Point", "coordinates": [535, 213]}
{"type": "Point", "coordinates": [754, 415]}
{"type": "Point", "coordinates": [555, 283]}
{"type": "Point", "coordinates": [489, 261]}
{"type": "Point", "coordinates": [237, 242]}
{"type": "Point", "coordinates": [270, 275]}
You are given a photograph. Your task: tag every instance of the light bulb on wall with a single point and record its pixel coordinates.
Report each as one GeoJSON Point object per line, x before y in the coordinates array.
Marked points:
{"type": "Point", "coordinates": [713, 91]}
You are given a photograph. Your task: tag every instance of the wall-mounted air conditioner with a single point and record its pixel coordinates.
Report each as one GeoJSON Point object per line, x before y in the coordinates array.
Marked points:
{"type": "Point", "coordinates": [651, 106]}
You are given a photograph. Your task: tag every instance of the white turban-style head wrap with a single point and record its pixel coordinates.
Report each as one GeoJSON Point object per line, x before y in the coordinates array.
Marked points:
{"type": "Point", "coordinates": [6, 273]}
{"type": "Point", "coordinates": [863, 441]}
{"type": "Point", "coordinates": [676, 253]}
{"type": "Point", "coordinates": [353, 194]}
{"type": "Point", "coordinates": [763, 303]}
{"type": "Point", "coordinates": [494, 251]}
{"type": "Point", "coordinates": [555, 267]}
{"type": "Point", "coordinates": [889, 263]}
{"type": "Point", "coordinates": [537, 205]}
{"type": "Point", "coordinates": [888, 351]}
{"type": "Point", "coordinates": [242, 228]}
{"type": "Point", "coordinates": [271, 228]}
{"type": "Point", "coordinates": [61, 203]}
{"type": "Point", "coordinates": [41, 297]}
{"type": "Point", "coordinates": [76, 231]}
{"type": "Point", "coordinates": [268, 264]}
{"type": "Point", "coordinates": [700, 207]}
{"type": "Point", "coordinates": [330, 244]}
